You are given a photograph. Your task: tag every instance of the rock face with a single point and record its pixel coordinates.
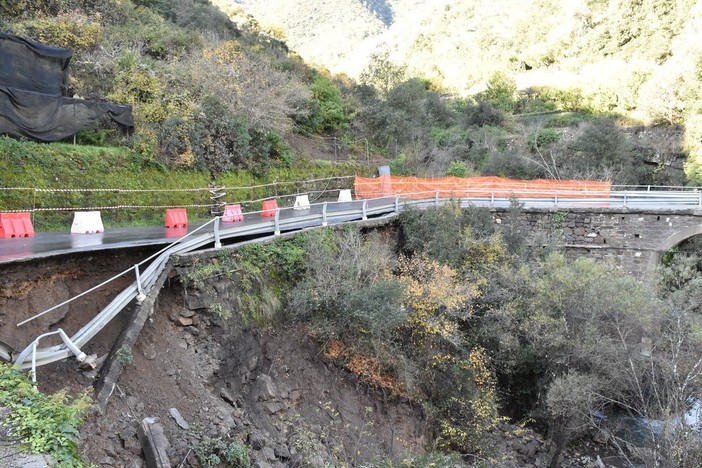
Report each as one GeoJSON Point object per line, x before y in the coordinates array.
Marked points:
{"type": "Point", "coordinates": [175, 414]}
{"type": "Point", "coordinates": [154, 443]}
{"type": "Point", "coordinates": [11, 458]}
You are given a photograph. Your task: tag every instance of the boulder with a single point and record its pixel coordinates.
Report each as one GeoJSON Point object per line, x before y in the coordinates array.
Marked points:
{"type": "Point", "coordinates": [175, 414]}
{"type": "Point", "coordinates": [154, 443]}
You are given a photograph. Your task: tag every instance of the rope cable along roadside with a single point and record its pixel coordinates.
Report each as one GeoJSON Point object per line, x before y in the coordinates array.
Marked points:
{"type": "Point", "coordinates": [216, 205]}
{"type": "Point", "coordinates": [197, 189]}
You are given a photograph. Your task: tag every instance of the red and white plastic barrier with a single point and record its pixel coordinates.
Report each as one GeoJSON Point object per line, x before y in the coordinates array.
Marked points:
{"type": "Point", "coordinates": [345, 195]}
{"type": "Point", "coordinates": [232, 214]}
{"type": "Point", "coordinates": [87, 222]}
{"type": "Point", "coordinates": [302, 202]}
{"type": "Point", "coordinates": [15, 225]}
{"type": "Point", "coordinates": [176, 218]}
{"type": "Point", "coordinates": [269, 208]}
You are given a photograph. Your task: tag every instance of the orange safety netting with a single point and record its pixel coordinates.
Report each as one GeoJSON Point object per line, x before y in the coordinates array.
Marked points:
{"type": "Point", "coordinates": [416, 187]}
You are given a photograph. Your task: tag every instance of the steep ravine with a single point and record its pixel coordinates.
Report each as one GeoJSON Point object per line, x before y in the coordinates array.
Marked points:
{"type": "Point", "coordinates": [271, 389]}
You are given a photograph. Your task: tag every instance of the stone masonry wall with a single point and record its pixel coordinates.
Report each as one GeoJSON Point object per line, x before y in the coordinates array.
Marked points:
{"type": "Point", "coordinates": [634, 240]}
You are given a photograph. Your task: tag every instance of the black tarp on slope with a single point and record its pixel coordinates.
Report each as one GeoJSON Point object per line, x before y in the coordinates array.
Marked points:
{"type": "Point", "coordinates": [33, 66]}
{"type": "Point", "coordinates": [33, 81]}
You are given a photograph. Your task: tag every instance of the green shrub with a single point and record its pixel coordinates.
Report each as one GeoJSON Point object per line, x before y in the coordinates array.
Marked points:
{"type": "Point", "coordinates": [216, 452]}
{"type": "Point", "coordinates": [458, 169]}
{"type": "Point", "coordinates": [44, 423]}
{"type": "Point", "coordinates": [347, 290]}
{"type": "Point", "coordinates": [543, 137]}
{"type": "Point", "coordinates": [481, 114]}
{"type": "Point", "coordinates": [448, 244]}
{"type": "Point", "coordinates": [220, 140]}
{"type": "Point", "coordinates": [70, 30]}
{"type": "Point", "coordinates": [328, 111]}
{"type": "Point", "coordinates": [501, 91]}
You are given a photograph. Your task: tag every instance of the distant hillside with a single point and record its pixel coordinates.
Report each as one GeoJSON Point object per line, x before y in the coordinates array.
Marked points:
{"type": "Point", "coordinates": [224, 89]}
{"type": "Point", "coordinates": [627, 52]}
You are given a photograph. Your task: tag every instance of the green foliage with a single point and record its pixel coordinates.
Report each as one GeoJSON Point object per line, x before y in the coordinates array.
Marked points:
{"type": "Point", "coordinates": [411, 116]}
{"type": "Point", "coordinates": [451, 243]}
{"type": "Point", "coordinates": [398, 165]}
{"type": "Point", "coordinates": [261, 273]}
{"type": "Point", "coordinates": [71, 30]}
{"type": "Point", "coordinates": [38, 8]}
{"type": "Point", "coordinates": [282, 259]}
{"type": "Point", "coordinates": [542, 138]}
{"type": "Point", "coordinates": [95, 137]}
{"type": "Point", "coordinates": [136, 83]}
{"type": "Point", "coordinates": [220, 140]}
{"type": "Point", "coordinates": [458, 169]}
{"type": "Point", "coordinates": [483, 113]}
{"type": "Point", "coordinates": [382, 73]}
{"type": "Point", "coordinates": [569, 99]}
{"type": "Point", "coordinates": [125, 356]}
{"type": "Point", "coordinates": [501, 91]}
{"type": "Point", "coordinates": [193, 14]}
{"type": "Point", "coordinates": [512, 231]}
{"type": "Point", "coordinates": [567, 119]}
{"type": "Point", "coordinates": [347, 290]}
{"type": "Point", "coordinates": [217, 452]}
{"type": "Point", "coordinates": [144, 29]}
{"type": "Point", "coordinates": [44, 423]}
{"type": "Point", "coordinates": [218, 309]}
{"type": "Point", "coordinates": [328, 110]}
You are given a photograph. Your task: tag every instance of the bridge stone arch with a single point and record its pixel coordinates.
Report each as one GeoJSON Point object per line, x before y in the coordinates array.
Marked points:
{"type": "Point", "coordinates": [675, 239]}
{"type": "Point", "coordinates": [635, 240]}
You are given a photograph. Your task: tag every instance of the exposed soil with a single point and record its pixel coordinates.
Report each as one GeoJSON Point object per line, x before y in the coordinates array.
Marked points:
{"type": "Point", "coordinates": [271, 389]}
{"type": "Point", "coordinates": [31, 287]}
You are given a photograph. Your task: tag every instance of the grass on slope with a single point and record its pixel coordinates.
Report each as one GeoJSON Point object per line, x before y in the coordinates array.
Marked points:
{"type": "Point", "coordinates": [31, 167]}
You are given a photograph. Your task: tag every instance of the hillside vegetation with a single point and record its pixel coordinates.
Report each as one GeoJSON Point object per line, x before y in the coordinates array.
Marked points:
{"type": "Point", "coordinates": [444, 309]}
{"type": "Point", "coordinates": [219, 96]}
{"type": "Point", "coordinates": [471, 325]}
{"type": "Point", "coordinates": [636, 58]}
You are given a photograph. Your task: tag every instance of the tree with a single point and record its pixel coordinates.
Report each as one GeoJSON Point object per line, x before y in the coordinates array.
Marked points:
{"type": "Point", "coordinates": [220, 141]}
{"type": "Point", "coordinates": [603, 342]}
{"type": "Point", "coordinates": [382, 73]}
{"type": "Point", "coordinates": [570, 401]}
{"type": "Point", "coordinates": [501, 91]}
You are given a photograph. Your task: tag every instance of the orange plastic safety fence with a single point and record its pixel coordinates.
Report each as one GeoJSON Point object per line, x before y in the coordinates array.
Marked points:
{"type": "Point", "coordinates": [416, 187]}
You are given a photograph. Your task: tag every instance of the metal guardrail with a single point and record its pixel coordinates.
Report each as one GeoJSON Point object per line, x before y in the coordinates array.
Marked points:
{"type": "Point", "coordinates": [323, 214]}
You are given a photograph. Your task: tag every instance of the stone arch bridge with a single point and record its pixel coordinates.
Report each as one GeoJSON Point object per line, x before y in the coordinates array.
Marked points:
{"type": "Point", "coordinates": [634, 239]}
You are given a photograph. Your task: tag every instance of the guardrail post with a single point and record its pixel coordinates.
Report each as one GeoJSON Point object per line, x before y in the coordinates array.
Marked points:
{"type": "Point", "coordinates": [365, 210]}
{"type": "Point", "coordinates": [217, 243]}
{"type": "Point", "coordinates": [80, 355]}
{"type": "Point", "coordinates": [276, 220]}
{"type": "Point", "coordinates": [699, 199]}
{"type": "Point", "coordinates": [397, 204]}
{"type": "Point", "coordinates": [140, 294]}
{"type": "Point", "coordinates": [324, 214]}
{"type": "Point", "coordinates": [624, 198]}
{"type": "Point", "coordinates": [555, 199]}
{"type": "Point", "coordinates": [34, 361]}
{"type": "Point", "coordinates": [436, 198]}
{"type": "Point", "coordinates": [492, 198]}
